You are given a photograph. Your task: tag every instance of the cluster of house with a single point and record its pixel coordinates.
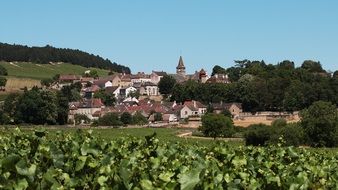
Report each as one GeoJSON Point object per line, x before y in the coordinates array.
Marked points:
{"type": "Point", "coordinates": [146, 85]}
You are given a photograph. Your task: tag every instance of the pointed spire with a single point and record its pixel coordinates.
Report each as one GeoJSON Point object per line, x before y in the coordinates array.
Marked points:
{"type": "Point", "coordinates": [180, 64]}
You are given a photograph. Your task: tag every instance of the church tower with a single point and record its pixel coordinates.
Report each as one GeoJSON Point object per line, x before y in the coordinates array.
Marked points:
{"type": "Point", "coordinates": [180, 69]}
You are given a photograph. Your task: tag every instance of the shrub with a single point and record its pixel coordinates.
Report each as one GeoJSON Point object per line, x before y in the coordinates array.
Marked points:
{"type": "Point", "coordinates": [279, 123]}
{"type": "Point", "coordinates": [81, 118]}
{"type": "Point", "coordinates": [292, 134]}
{"type": "Point", "coordinates": [139, 119]}
{"type": "Point", "coordinates": [110, 119]}
{"type": "Point", "coordinates": [320, 124]}
{"type": "Point", "coordinates": [126, 118]}
{"type": "Point", "coordinates": [217, 125]}
{"type": "Point", "coordinates": [258, 134]}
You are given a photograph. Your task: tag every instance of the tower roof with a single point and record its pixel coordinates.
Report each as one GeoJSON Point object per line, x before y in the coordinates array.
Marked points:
{"type": "Point", "coordinates": [180, 64]}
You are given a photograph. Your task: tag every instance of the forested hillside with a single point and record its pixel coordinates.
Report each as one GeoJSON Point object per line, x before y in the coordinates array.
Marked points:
{"type": "Point", "coordinates": [44, 55]}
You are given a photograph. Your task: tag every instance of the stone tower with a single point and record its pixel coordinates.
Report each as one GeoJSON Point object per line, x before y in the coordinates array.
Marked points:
{"type": "Point", "coordinates": [180, 69]}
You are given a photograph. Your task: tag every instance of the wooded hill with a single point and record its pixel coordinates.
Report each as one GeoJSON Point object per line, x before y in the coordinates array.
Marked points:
{"type": "Point", "coordinates": [47, 54]}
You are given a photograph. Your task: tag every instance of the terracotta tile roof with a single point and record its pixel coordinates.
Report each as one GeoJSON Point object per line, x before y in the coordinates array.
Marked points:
{"type": "Point", "coordinates": [96, 103]}
{"type": "Point", "coordinates": [111, 89]}
{"type": "Point", "coordinates": [194, 104]}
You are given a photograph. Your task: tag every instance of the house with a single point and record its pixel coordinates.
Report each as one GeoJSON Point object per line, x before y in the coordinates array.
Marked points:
{"type": "Point", "coordinates": [156, 76]}
{"type": "Point", "coordinates": [108, 84]}
{"type": "Point", "coordinates": [113, 90]}
{"type": "Point", "coordinates": [85, 80]}
{"type": "Point", "coordinates": [88, 92]}
{"type": "Point", "coordinates": [192, 109]}
{"type": "Point", "coordinates": [112, 80]}
{"type": "Point", "coordinates": [86, 107]}
{"type": "Point", "coordinates": [149, 89]}
{"type": "Point", "coordinates": [234, 108]}
{"type": "Point", "coordinates": [125, 91]}
{"type": "Point", "coordinates": [140, 77]}
{"type": "Point", "coordinates": [68, 78]}
{"type": "Point", "coordinates": [125, 80]}
{"type": "Point", "coordinates": [219, 78]}
{"type": "Point", "coordinates": [169, 117]}
{"type": "Point", "coordinates": [130, 101]}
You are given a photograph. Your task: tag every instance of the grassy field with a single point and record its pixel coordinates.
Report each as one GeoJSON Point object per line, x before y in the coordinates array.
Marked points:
{"type": "Point", "coordinates": [42, 71]}
{"type": "Point", "coordinates": [163, 134]}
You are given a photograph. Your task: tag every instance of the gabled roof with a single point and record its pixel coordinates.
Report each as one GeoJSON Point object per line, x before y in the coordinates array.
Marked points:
{"type": "Point", "coordinates": [178, 78]}
{"type": "Point", "coordinates": [194, 104]}
{"type": "Point", "coordinates": [111, 89]}
{"type": "Point", "coordinates": [222, 106]}
{"type": "Point", "coordinates": [160, 73]}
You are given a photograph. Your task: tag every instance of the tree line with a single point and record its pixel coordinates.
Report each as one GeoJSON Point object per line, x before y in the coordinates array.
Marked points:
{"type": "Point", "coordinates": [47, 54]}
{"type": "Point", "coordinates": [38, 106]}
{"type": "Point", "coordinates": [262, 87]}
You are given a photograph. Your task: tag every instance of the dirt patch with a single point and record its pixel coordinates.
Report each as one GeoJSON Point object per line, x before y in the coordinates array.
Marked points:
{"type": "Point", "coordinates": [247, 122]}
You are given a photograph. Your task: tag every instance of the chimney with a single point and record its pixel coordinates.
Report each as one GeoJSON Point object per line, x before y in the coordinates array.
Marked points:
{"type": "Point", "coordinates": [194, 103]}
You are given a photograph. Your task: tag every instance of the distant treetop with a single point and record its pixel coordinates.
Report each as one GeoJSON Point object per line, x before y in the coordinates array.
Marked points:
{"type": "Point", "coordinates": [47, 54]}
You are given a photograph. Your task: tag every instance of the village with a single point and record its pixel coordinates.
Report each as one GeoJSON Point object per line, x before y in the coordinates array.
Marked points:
{"type": "Point", "coordinates": [139, 93]}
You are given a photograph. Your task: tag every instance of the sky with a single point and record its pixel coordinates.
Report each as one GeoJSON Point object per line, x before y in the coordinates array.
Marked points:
{"type": "Point", "coordinates": [151, 34]}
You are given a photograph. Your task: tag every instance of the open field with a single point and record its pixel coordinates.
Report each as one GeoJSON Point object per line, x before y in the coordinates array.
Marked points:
{"type": "Point", "coordinates": [163, 134]}
{"type": "Point", "coordinates": [42, 71]}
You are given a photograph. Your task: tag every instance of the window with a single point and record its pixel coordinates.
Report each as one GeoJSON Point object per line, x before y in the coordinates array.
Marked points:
{"type": "Point", "coordinates": [186, 113]}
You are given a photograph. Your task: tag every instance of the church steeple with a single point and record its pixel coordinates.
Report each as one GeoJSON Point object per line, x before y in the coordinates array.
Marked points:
{"type": "Point", "coordinates": [180, 69]}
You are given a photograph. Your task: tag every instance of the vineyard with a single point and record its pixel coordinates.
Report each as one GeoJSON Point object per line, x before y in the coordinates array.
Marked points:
{"type": "Point", "coordinates": [84, 161]}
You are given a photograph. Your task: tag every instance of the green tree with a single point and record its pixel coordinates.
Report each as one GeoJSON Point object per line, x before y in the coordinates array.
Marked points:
{"type": "Point", "coordinates": [110, 119]}
{"type": "Point", "coordinates": [10, 103]}
{"type": "Point", "coordinates": [46, 82]}
{"type": "Point", "coordinates": [126, 118]}
{"type": "Point", "coordinates": [218, 70]}
{"type": "Point", "coordinates": [3, 71]}
{"type": "Point", "coordinates": [139, 119]}
{"type": "Point", "coordinates": [320, 124]}
{"type": "Point", "coordinates": [4, 118]}
{"type": "Point", "coordinates": [108, 99]}
{"type": "Point", "coordinates": [258, 135]}
{"type": "Point", "coordinates": [36, 107]}
{"type": "Point", "coordinates": [312, 66]}
{"type": "Point", "coordinates": [166, 84]}
{"type": "Point", "coordinates": [217, 125]}
{"type": "Point", "coordinates": [62, 108]}
{"type": "Point", "coordinates": [335, 74]}
{"type": "Point", "coordinates": [3, 81]}
{"type": "Point", "coordinates": [158, 116]}
{"type": "Point", "coordinates": [81, 118]}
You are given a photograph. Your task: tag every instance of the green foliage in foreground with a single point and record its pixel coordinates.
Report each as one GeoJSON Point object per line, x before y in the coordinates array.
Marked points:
{"type": "Point", "coordinates": [82, 161]}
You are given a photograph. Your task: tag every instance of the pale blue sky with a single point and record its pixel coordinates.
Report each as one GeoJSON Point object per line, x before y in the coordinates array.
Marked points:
{"type": "Point", "coordinates": [151, 34]}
